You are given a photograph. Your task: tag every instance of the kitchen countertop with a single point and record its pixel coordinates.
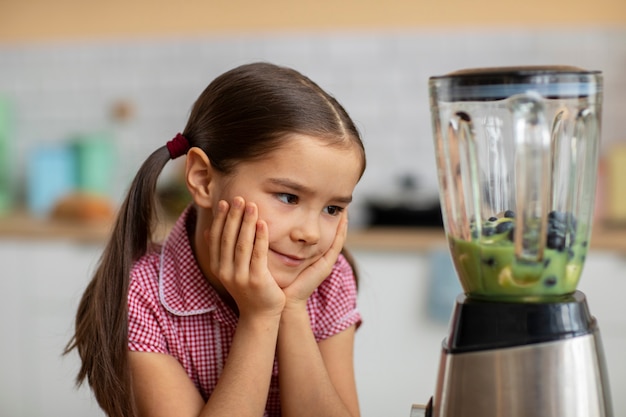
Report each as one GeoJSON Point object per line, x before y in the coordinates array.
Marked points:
{"type": "Point", "coordinates": [22, 226]}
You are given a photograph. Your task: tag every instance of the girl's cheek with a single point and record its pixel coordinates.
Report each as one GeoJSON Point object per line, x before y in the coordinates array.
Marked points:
{"type": "Point", "coordinates": [326, 242]}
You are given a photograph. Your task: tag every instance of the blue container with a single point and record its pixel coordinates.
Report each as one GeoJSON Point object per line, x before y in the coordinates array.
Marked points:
{"type": "Point", "coordinates": [51, 175]}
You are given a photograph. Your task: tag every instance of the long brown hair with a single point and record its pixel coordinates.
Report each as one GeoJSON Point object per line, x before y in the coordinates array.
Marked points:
{"type": "Point", "coordinates": [242, 115]}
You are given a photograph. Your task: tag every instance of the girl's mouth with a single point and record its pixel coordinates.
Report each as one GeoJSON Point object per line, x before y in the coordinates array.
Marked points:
{"type": "Point", "coordinates": [288, 260]}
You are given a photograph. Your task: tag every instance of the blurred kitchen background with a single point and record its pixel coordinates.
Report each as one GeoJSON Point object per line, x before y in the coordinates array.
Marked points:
{"type": "Point", "coordinates": [88, 90]}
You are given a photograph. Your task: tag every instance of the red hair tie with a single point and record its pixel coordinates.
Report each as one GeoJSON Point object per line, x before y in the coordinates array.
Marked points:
{"type": "Point", "coordinates": [177, 146]}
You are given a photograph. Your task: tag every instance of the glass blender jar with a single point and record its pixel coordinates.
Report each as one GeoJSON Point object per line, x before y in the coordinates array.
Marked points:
{"type": "Point", "coordinates": [517, 155]}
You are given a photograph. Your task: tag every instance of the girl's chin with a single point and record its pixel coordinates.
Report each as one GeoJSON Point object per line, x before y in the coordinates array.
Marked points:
{"type": "Point", "coordinates": [284, 279]}
{"type": "Point", "coordinates": [284, 276]}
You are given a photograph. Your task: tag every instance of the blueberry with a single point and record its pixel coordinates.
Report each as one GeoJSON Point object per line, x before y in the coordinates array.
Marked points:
{"type": "Point", "coordinates": [560, 235]}
{"type": "Point", "coordinates": [558, 216]}
{"type": "Point", "coordinates": [546, 262]}
{"type": "Point", "coordinates": [489, 231]}
{"type": "Point", "coordinates": [474, 234]}
{"type": "Point", "coordinates": [504, 227]}
{"type": "Point", "coordinates": [584, 244]}
{"type": "Point", "coordinates": [556, 232]}
{"type": "Point", "coordinates": [550, 281]}
{"type": "Point", "coordinates": [563, 219]}
{"type": "Point", "coordinates": [510, 214]}
{"type": "Point", "coordinates": [492, 219]}
{"type": "Point", "coordinates": [555, 225]}
{"type": "Point", "coordinates": [556, 241]}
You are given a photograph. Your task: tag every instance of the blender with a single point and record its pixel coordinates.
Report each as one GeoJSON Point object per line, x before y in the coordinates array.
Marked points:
{"type": "Point", "coordinates": [517, 153]}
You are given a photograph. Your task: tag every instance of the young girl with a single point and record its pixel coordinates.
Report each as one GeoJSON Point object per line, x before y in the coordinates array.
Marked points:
{"type": "Point", "coordinates": [249, 306]}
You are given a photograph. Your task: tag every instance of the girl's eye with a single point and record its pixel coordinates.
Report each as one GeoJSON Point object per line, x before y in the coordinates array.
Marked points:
{"type": "Point", "coordinates": [287, 198]}
{"type": "Point", "coordinates": [334, 210]}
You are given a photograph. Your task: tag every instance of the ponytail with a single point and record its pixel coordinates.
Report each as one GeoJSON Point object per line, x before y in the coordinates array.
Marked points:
{"type": "Point", "coordinates": [101, 328]}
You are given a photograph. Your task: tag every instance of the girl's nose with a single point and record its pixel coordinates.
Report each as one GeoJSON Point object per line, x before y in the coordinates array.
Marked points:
{"type": "Point", "coordinates": [307, 229]}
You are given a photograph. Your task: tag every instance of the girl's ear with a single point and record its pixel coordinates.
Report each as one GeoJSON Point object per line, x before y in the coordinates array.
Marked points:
{"type": "Point", "coordinates": [199, 174]}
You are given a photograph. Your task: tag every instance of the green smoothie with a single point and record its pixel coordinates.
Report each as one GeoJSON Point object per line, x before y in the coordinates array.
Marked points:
{"type": "Point", "coordinates": [488, 268]}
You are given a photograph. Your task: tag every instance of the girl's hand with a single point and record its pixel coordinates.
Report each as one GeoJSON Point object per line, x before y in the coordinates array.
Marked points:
{"type": "Point", "coordinates": [309, 279]}
{"type": "Point", "coordinates": [238, 247]}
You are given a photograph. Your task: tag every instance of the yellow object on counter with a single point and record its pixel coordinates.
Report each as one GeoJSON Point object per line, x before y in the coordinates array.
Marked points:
{"type": "Point", "coordinates": [616, 184]}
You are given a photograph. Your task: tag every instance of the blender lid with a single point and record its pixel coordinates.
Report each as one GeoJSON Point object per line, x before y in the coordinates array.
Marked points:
{"type": "Point", "coordinates": [498, 83]}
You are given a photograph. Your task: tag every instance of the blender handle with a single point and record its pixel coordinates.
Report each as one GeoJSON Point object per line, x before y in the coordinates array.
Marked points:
{"type": "Point", "coordinates": [465, 175]}
{"type": "Point", "coordinates": [533, 175]}
{"type": "Point", "coordinates": [586, 161]}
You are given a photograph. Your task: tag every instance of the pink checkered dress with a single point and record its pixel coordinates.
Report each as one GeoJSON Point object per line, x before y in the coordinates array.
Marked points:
{"type": "Point", "coordinates": [173, 310]}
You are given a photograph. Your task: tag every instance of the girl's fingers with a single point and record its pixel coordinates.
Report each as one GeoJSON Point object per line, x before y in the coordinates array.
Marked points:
{"type": "Point", "coordinates": [342, 233]}
{"type": "Point", "coordinates": [215, 235]}
{"type": "Point", "coordinates": [231, 240]}
{"type": "Point", "coordinates": [311, 277]}
{"type": "Point", "coordinates": [245, 241]}
{"type": "Point", "coordinates": [330, 257]}
{"type": "Point", "coordinates": [258, 261]}
{"type": "Point", "coordinates": [239, 245]}
{"type": "Point", "coordinates": [230, 232]}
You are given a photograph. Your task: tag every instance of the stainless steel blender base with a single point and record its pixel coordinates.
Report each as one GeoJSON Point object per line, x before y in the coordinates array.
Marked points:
{"type": "Point", "coordinates": [565, 378]}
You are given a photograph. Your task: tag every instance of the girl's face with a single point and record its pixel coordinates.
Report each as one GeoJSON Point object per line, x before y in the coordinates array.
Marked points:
{"type": "Point", "coordinates": [301, 190]}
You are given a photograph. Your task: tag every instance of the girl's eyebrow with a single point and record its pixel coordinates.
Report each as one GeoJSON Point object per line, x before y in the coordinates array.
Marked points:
{"type": "Point", "coordinates": [302, 189]}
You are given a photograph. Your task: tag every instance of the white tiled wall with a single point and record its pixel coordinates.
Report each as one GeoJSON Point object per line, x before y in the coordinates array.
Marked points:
{"type": "Point", "coordinates": [59, 89]}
